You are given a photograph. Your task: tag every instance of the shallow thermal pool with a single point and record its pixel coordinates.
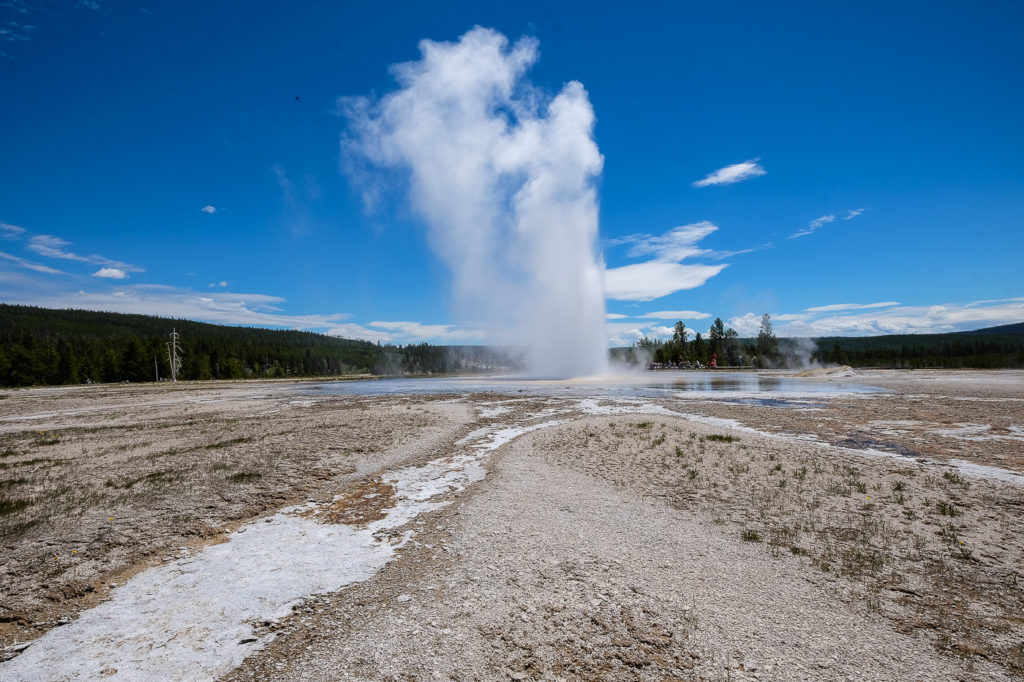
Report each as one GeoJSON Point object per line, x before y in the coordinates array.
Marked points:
{"type": "Point", "coordinates": [739, 386]}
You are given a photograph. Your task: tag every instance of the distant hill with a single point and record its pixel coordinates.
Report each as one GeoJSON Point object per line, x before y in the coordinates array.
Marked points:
{"type": "Point", "coordinates": [41, 346]}
{"type": "Point", "coordinates": [1017, 328]}
{"type": "Point", "coordinates": [992, 347]}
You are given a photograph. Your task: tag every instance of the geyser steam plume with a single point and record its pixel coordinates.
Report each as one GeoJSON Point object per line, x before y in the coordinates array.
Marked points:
{"type": "Point", "coordinates": [504, 177]}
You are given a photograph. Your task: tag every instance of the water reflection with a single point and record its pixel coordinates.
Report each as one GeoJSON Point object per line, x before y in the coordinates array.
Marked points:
{"type": "Point", "coordinates": [686, 384]}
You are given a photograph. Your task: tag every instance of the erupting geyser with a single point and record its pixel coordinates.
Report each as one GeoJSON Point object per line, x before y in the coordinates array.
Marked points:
{"type": "Point", "coordinates": [504, 177]}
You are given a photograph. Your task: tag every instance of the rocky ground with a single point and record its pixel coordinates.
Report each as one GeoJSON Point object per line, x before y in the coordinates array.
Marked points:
{"type": "Point", "coordinates": [669, 538]}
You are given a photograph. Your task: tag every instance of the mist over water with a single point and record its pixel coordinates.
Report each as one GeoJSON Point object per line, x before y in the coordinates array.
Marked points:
{"type": "Point", "coordinates": [503, 175]}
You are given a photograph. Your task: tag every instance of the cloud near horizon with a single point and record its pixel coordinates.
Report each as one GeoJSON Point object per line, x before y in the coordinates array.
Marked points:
{"type": "Point", "coordinates": [850, 306]}
{"type": "Point", "coordinates": [53, 247]}
{"type": "Point", "coordinates": [728, 175]}
{"type": "Point", "coordinates": [887, 318]}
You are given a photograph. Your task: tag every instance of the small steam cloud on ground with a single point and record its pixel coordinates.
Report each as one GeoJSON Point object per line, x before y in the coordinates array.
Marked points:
{"type": "Point", "coordinates": [504, 177]}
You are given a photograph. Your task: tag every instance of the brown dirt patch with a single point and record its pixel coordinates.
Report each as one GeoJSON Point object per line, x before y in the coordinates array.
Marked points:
{"type": "Point", "coordinates": [366, 502]}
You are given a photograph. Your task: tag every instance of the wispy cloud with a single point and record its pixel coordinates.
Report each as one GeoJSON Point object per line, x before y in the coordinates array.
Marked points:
{"type": "Point", "coordinates": [219, 307]}
{"type": "Point", "coordinates": [8, 231]}
{"type": "Point", "coordinates": [730, 174]}
{"type": "Point", "coordinates": [874, 319]}
{"type": "Point", "coordinates": [416, 331]}
{"type": "Point", "coordinates": [16, 32]}
{"type": "Point", "coordinates": [813, 225]}
{"type": "Point", "coordinates": [351, 330]}
{"type": "Point", "coordinates": [29, 265]}
{"type": "Point", "coordinates": [850, 306]}
{"type": "Point", "coordinates": [615, 316]}
{"type": "Point", "coordinates": [664, 273]}
{"type": "Point", "coordinates": [625, 333]}
{"type": "Point", "coordinates": [53, 247]}
{"type": "Point", "coordinates": [166, 301]}
{"type": "Point", "coordinates": [209, 209]}
{"type": "Point", "coordinates": [676, 315]}
{"type": "Point", "coordinates": [297, 198]}
{"type": "Point", "coordinates": [110, 273]}
{"type": "Point", "coordinates": [222, 284]}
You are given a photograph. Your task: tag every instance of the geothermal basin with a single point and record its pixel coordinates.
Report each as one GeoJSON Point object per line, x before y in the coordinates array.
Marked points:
{"type": "Point", "coordinates": [674, 525]}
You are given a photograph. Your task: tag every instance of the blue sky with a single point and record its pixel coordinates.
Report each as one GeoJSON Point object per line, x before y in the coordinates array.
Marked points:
{"type": "Point", "coordinates": [850, 170]}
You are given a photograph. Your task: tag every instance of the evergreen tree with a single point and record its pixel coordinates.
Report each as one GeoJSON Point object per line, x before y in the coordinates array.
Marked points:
{"type": "Point", "coordinates": [715, 336]}
{"type": "Point", "coordinates": [698, 350]}
{"type": "Point", "coordinates": [767, 344]}
{"type": "Point", "coordinates": [731, 346]}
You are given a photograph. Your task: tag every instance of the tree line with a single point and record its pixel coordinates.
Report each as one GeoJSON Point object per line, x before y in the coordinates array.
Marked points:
{"type": "Point", "coordinates": [39, 346]}
{"type": "Point", "coordinates": [723, 344]}
{"type": "Point", "coordinates": [979, 350]}
{"type": "Point", "coordinates": [996, 347]}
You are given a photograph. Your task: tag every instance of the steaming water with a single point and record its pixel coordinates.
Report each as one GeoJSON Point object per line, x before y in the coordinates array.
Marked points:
{"type": "Point", "coordinates": [504, 178]}
{"type": "Point", "coordinates": [684, 385]}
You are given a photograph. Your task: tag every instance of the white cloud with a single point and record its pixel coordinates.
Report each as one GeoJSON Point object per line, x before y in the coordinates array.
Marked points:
{"type": "Point", "coordinates": [222, 284]}
{"type": "Point", "coordinates": [654, 279]}
{"type": "Point", "coordinates": [813, 225]}
{"type": "Point", "coordinates": [110, 273]}
{"type": "Point", "coordinates": [676, 244]}
{"type": "Point", "coordinates": [730, 174]}
{"type": "Point", "coordinates": [850, 306]}
{"type": "Point", "coordinates": [416, 331]}
{"type": "Point", "coordinates": [29, 265]}
{"type": "Point", "coordinates": [259, 310]}
{"type": "Point", "coordinates": [873, 320]}
{"type": "Point", "coordinates": [853, 213]}
{"type": "Point", "coordinates": [358, 331]}
{"type": "Point", "coordinates": [209, 209]}
{"type": "Point", "coordinates": [626, 333]}
{"type": "Point", "coordinates": [53, 247]}
{"type": "Point", "coordinates": [615, 316]}
{"type": "Point", "coordinates": [675, 315]}
{"type": "Point", "coordinates": [8, 231]}
{"type": "Point", "coordinates": [664, 274]}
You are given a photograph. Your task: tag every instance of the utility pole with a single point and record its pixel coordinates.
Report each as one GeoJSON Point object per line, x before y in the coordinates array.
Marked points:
{"type": "Point", "coordinates": [173, 354]}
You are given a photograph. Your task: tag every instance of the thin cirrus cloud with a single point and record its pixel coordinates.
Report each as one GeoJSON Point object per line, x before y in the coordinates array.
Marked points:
{"type": "Point", "coordinates": [664, 273]}
{"type": "Point", "coordinates": [419, 331]}
{"type": "Point", "coordinates": [173, 302]}
{"type": "Point", "coordinates": [850, 306]}
{"type": "Point", "coordinates": [817, 223]}
{"type": "Point", "coordinates": [54, 247]}
{"type": "Point", "coordinates": [676, 315]}
{"type": "Point", "coordinates": [29, 265]}
{"type": "Point", "coordinates": [8, 231]}
{"type": "Point", "coordinates": [728, 175]}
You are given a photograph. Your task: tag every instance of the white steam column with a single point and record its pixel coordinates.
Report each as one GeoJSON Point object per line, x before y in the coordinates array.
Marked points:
{"type": "Point", "coordinates": [504, 177]}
